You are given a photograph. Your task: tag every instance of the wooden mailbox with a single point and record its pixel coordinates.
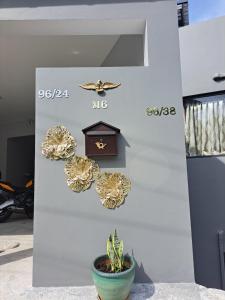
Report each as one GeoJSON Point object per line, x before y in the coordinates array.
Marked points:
{"type": "Point", "coordinates": [101, 139]}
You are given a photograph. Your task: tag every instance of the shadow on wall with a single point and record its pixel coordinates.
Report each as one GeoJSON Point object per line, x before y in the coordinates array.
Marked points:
{"type": "Point", "coordinates": [206, 177]}
{"type": "Point", "coordinates": [24, 3]}
{"type": "Point", "coordinates": [141, 276]}
{"type": "Point", "coordinates": [147, 288]}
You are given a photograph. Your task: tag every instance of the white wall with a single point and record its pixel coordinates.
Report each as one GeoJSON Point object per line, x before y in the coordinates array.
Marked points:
{"type": "Point", "coordinates": [9, 130]}
{"type": "Point", "coordinates": [113, 17]}
{"type": "Point", "coordinates": [202, 48]}
{"type": "Point", "coordinates": [128, 51]}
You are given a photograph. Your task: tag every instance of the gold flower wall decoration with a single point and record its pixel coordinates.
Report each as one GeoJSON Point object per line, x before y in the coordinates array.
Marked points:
{"type": "Point", "coordinates": [58, 143]}
{"type": "Point", "coordinates": [81, 172]}
{"type": "Point", "coordinates": [112, 188]}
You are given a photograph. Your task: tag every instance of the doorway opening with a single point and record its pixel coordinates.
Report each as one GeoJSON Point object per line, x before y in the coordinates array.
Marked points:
{"type": "Point", "coordinates": [20, 159]}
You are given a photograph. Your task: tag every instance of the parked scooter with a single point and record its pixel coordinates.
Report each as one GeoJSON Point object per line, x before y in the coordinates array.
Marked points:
{"type": "Point", "coordinates": [15, 199]}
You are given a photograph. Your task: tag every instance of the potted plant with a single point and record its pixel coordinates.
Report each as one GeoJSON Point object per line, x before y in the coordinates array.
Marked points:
{"type": "Point", "coordinates": [113, 273]}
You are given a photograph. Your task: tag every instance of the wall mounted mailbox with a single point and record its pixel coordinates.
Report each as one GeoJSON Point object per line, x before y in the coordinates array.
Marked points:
{"type": "Point", "coordinates": [101, 139]}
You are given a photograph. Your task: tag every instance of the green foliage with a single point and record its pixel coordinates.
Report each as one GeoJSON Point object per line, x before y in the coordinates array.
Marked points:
{"type": "Point", "coordinates": [115, 253]}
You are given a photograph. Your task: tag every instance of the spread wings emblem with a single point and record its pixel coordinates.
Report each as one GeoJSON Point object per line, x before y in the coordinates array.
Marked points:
{"type": "Point", "coordinates": [99, 86]}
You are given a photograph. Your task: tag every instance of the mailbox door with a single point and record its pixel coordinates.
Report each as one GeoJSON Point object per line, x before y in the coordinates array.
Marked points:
{"type": "Point", "coordinates": [101, 145]}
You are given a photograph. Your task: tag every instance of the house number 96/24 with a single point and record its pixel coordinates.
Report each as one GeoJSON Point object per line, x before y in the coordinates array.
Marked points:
{"type": "Point", "coordinates": [160, 111]}
{"type": "Point", "coordinates": [53, 93]}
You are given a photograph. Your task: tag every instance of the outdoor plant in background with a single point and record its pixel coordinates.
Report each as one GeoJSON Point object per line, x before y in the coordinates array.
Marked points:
{"type": "Point", "coordinates": [113, 273]}
{"type": "Point", "coordinates": [115, 253]}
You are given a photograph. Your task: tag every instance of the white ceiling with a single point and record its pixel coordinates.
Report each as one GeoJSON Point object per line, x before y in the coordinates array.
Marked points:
{"type": "Point", "coordinates": [21, 54]}
{"type": "Point", "coordinates": [26, 45]}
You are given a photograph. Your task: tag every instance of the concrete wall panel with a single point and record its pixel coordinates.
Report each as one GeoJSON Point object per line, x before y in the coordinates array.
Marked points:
{"type": "Point", "coordinates": [71, 228]}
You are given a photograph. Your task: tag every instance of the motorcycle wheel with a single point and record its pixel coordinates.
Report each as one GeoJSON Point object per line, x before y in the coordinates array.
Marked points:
{"type": "Point", "coordinates": [4, 215]}
{"type": "Point", "coordinates": [29, 212]}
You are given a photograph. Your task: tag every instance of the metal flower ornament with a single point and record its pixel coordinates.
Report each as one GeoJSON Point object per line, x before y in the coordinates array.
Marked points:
{"type": "Point", "coordinates": [112, 189]}
{"type": "Point", "coordinates": [81, 172]}
{"type": "Point", "coordinates": [58, 143]}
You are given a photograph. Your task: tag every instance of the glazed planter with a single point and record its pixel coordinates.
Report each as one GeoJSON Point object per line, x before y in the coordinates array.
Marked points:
{"type": "Point", "coordinates": [113, 286]}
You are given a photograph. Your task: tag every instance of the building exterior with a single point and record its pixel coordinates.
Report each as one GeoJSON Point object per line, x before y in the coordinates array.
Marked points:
{"type": "Point", "coordinates": [122, 43]}
{"type": "Point", "coordinates": [58, 38]}
{"type": "Point", "coordinates": [183, 14]}
{"type": "Point", "coordinates": [202, 48]}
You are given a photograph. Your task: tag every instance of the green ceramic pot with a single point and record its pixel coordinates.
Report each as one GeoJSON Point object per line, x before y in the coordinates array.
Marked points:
{"type": "Point", "coordinates": [113, 286]}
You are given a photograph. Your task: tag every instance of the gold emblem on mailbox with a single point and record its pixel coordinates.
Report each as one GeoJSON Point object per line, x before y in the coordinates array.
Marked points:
{"type": "Point", "coordinates": [100, 144]}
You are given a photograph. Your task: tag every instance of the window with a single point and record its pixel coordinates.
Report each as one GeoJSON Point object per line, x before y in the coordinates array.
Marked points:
{"type": "Point", "coordinates": [183, 15]}
{"type": "Point", "coordinates": [205, 125]}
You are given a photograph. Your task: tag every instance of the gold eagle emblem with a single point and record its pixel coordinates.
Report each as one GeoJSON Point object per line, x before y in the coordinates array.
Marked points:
{"type": "Point", "coordinates": [99, 86]}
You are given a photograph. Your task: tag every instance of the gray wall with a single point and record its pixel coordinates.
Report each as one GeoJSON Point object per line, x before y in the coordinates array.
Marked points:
{"type": "Point", "coordinates": [70, 229]}
{"type": "Point", "coordinates": [202, 48]}
{"type": "Point", "coordinates": [128, 51]}
{"type": "Point", "coordinates": [207, 201]}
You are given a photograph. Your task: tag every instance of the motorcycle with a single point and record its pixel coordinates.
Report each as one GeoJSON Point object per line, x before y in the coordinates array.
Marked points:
{"type": "Point", "coordinates": [15, 199]}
